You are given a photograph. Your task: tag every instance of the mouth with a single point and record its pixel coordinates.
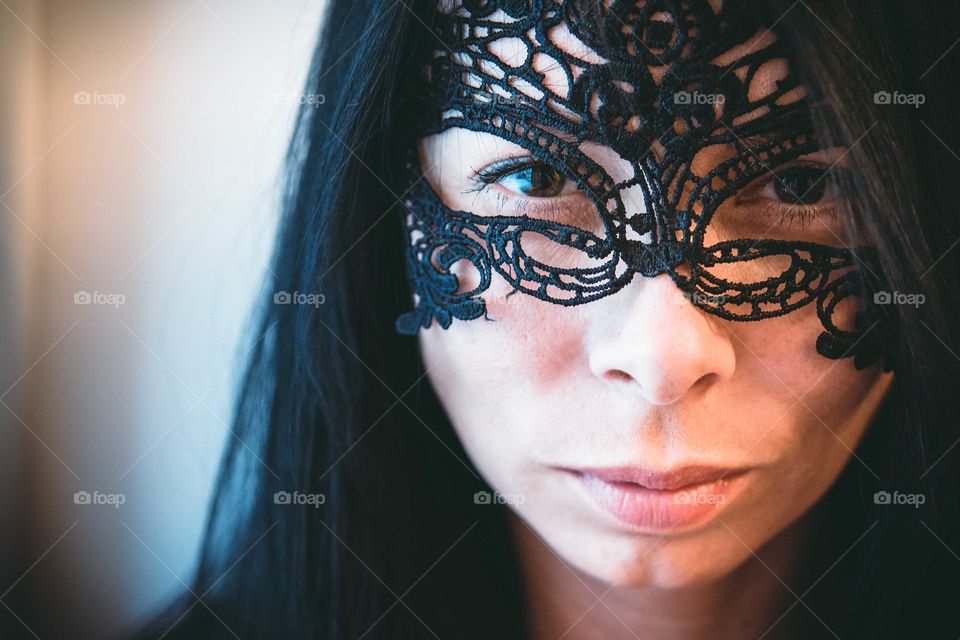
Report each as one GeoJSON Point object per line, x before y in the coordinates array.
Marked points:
{"type": "Point", "coordinates": [648, 501]}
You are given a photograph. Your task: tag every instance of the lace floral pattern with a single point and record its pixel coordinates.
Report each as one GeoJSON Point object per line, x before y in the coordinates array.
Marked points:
{"type": "Point", "coordinates": [656, 81]}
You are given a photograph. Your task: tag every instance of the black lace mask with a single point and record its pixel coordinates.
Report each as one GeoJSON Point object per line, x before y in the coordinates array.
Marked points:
{"type": "Point", "coordinates": [667, 85]}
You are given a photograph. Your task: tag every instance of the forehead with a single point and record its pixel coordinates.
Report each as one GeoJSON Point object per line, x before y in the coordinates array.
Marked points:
{"type": "Point", "coordinates": [618, 61]}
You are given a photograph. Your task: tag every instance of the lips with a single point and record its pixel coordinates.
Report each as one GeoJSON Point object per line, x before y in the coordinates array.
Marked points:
{"type": "Point", "coordinates": [645, 500]}
{"type": "Point", "coordinates": [670, 480]}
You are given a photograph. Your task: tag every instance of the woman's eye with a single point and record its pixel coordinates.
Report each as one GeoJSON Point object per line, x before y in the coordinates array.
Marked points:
{"type": "Point", "coordinates": [525, 177]}
{"type": "Point", "coordinates": [790, 199]}
{"type": "Point", "coordinates": [529, 187]}
{"type": "Point", "coordinates": [536, 181]}
{"type": "Point", "coordinates": [801, 186]}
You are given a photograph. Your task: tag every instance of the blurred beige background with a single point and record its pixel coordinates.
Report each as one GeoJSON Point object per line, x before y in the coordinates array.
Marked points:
{"type": "Point", "coordinates": [139, 163]}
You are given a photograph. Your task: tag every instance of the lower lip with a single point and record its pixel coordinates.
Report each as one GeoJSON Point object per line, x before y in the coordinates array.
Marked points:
{"type": "Point", "coordinates": [654, 510]}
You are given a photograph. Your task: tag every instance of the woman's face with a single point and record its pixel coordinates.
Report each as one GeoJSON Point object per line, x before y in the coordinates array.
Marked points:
{"type": "Point", "coordinates": [646, 441]}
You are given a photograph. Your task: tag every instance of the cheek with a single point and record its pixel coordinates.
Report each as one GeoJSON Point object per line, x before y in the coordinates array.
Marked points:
{"type": "Point", "coordinates": [520, 375]}
{"type": "Point", "coordinates": [807, 407]}
{"type": "Point", "coordinates": [831, 417]}
{"type": "Point", "coordinates": [807, 412]}
{"type": "Point", "coordinates": [518, 390]}
{"type": "Point", "coordinates": [500, 378]}
{"type": "Point", "coordinates": [780, 356]}
{"type": "Point", "coordinates": [523, 345]}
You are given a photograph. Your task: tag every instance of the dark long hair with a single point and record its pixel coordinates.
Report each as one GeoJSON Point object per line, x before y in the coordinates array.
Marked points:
{"type": "Point", "coordinates": [334, 402]}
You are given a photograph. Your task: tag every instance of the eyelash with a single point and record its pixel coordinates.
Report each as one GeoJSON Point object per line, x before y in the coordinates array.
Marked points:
{"type": "Point", "coordinates": [540, 208]}
{"type": "Point", "coordinates": [801, 215]}
{"type": "Point", "coordinates": [498, 170]}
{"type": "Point", "coordinates": [787, 215]}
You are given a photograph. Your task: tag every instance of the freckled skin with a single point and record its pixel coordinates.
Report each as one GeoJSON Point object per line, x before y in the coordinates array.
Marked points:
{"type": "Point", "coordinates": [536, 386]}
{"type": "Point", "coordinates": [640, 378]}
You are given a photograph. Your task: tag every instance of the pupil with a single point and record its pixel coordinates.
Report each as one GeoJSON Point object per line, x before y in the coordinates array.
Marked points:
{"type": "Point", "coordinates": [800, 187]}
{"type": "Point", "coordinates": [541, 181]}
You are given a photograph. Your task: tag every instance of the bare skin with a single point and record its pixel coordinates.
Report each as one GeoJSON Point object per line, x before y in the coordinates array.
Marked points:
{"type": "Point", "coordinates": [645, 380]}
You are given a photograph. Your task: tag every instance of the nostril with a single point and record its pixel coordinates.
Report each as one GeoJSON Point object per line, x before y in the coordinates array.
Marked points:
{"type": "Point", "coordinates": [618, 375]}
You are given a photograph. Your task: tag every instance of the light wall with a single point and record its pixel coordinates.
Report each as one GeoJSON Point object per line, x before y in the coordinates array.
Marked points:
{"type": "Point", "coordinates": [139, 163]}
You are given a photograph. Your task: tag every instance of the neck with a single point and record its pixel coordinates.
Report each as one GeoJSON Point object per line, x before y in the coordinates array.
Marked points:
{"type": "Point", "coordinates": [749, 602]}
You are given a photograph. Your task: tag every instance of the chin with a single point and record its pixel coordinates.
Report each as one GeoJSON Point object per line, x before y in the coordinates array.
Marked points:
{"type": "Point", "coordinates": [660, 562]}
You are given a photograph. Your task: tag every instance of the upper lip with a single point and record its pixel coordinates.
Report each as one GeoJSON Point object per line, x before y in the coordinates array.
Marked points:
{"type": "Point", "coordinates": [667, 480]}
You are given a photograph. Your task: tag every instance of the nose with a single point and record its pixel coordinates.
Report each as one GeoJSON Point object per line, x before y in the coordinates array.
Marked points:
{"type": "Point", "coordinates": [653, 340]}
